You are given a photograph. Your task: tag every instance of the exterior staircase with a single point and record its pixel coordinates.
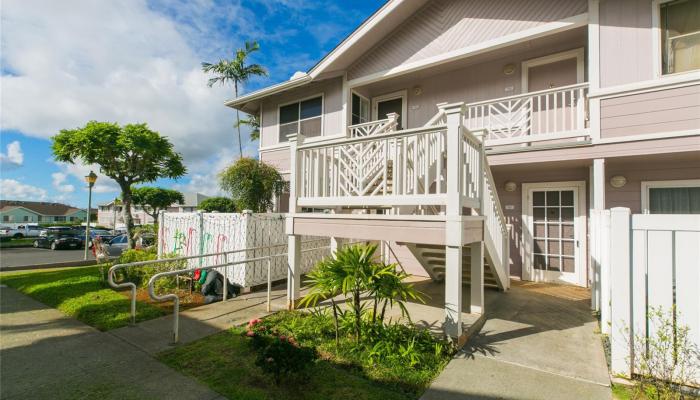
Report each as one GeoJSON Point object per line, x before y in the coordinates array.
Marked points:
{"type": "Point", "coordinates": [432, 258]}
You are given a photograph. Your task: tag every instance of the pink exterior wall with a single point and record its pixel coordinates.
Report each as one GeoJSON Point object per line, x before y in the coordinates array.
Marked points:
{"type": "Point", "coordinates": [332, 90]}
{"type": "Point", "coordinates": [636, 171]}
{"type": "Point", "coordinates": [654, 112]}
{"type": "Point", "coordinates": [447, 25]}
{"type": "Point", "coordinates": [469, 84]}
{"type": "Point", "coordinates": [278, 158]}
{"type": "Point", "coordinates": [625, 41]}
{"type": "Point", "coordinates": [530, 174]}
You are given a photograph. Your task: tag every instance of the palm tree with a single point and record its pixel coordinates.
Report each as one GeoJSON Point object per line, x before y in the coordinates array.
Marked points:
{"type": "Point", "coordinates": [236, 71]}
{"type": "Point", "coordinates": [253, 121]}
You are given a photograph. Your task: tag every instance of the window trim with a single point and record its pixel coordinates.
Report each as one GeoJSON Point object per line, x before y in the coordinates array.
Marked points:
{"type": "Point", "coordinates": [299, 100]}
{"type": "Point", "coordinates": [656, 51]}
{"type": "Point", "coordinates": [369, 104]}
{"type": "Point", "coordinates": [400, 94]}
{"type": "Point", "coordinates": [646, 185]}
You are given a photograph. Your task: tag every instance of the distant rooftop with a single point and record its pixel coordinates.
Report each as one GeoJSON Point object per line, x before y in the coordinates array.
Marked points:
{"type": "Point", "coordinates": [39, 207]}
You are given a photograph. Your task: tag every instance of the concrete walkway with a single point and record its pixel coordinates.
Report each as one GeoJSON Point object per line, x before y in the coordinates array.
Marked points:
{"type": "Point", "coordinates": [46, 355]}
{"type": "Point", "coordinates": [539, 342]}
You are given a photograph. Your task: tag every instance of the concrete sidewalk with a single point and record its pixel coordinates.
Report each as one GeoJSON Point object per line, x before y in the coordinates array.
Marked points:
{"type": "Point", "coordinates": [539, 342]}
{"type": "Point", "coordinates": [46, 355]}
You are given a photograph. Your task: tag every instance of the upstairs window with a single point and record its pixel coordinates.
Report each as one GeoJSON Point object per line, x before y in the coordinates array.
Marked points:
{"type": "Point", "coordinates": [360, 109]}
{"type": "Point", "coordinates": [671, 197]}
{"type": "Point", "coordinates": [680, 36]}
{"type": "Point", "coordinates": [302, 117]}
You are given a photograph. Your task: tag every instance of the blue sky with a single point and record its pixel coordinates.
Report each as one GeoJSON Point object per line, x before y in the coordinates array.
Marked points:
{"type": "Point", "coordinates": [66, 63]}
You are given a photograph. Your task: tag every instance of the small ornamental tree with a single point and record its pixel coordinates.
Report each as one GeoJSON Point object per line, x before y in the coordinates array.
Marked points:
{"type": "Point", "coordinates": [252, 183]}
{"type": "Point", "coordinates": [155, 199]}
{"type": "Point", "coordinates": [129, 154]}
{"type": "Point", "coordinates": [218, 204]}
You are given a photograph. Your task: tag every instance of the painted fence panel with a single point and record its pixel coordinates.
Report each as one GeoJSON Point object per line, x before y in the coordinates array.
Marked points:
{"type": "Point", "coordinates": [187, 234]}
{"type": "Point", "coordinates": [654, 262]}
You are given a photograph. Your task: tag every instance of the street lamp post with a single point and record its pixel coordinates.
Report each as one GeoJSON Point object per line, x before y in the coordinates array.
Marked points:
{"type": "Point", "coordinates": [90, 179]}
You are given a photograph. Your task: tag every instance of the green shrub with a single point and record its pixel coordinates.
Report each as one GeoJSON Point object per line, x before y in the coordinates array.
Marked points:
{"type": "Point", "coordinates": [279, 355]}
{"type": "Point", "coordinates": [140, 275]}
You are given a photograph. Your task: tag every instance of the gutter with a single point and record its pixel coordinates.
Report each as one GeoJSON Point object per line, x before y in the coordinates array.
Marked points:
{"type": "Point", "coordinates": [280, 87]}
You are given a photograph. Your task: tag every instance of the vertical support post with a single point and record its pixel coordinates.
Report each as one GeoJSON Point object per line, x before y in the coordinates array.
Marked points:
{"type": "Point", "coordinates": [597, 205]}
{"type": "Point", "coordinates": [161, 239]}
{"type": "Point", "coordinates": [593, 68]}
{"type": "Point", "coordinates": [293, 241]}
{"type": "Point", "coordinates": [269, 282]}
{"type": "Point", "coordinates": [454, 232]}
{"type": "Point", "coordinates": [477, 278]}
{"type": "Point", "coordinates": [336, 244]}
{"type": "Point", "coordinates": [621, 288]}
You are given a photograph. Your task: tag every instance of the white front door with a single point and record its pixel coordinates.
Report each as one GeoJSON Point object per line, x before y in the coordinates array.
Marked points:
{"type": "Point", "coordinates": [554, 222]}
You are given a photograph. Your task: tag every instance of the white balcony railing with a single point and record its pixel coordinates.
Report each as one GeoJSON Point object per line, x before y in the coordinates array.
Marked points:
{"type": "Point", "coordinates": [537, 116]}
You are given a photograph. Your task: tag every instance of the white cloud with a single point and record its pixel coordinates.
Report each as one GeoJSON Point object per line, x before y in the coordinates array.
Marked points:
{"type": "Point", "coordinates": [104, 184]}
{"type": "Point", "coordinates": [14, 190]}
{"type": "Point", "coordinates": [115, 61]}
{"type": "Point", "coordinates": [59, 182]}
{"type": "Point", "coordinates": [14, 156]}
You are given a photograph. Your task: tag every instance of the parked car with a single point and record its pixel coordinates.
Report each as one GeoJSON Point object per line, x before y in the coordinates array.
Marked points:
{"type": "Point", "coordinates": [55, 241]}
{"type": "Point", "coordinates": [20, 231]}
{"type": "Point", "coordinates": [102, 234]}
{"type": "Point", "coordinates": [56, 229]}
{"type": "Point", "coordinates": [116, 246]}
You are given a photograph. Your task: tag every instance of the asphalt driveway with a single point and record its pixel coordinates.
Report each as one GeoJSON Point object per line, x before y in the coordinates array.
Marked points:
{"type": "Point", "coordinates": [29, 256]}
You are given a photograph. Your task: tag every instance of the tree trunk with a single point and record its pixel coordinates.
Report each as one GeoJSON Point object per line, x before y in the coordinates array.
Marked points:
{"type": "Point", "coordinates": [126, 214]}
{"type": "Point", "coordinates": [238, 123]}
{"type": "Point", "coordinates": [384, 310]}
{"type": "Point", "coordinates": [335, 320]}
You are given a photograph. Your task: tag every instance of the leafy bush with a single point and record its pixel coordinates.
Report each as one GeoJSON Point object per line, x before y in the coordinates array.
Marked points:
{"type": "Point", "coordinates": [666, 360]}
{"type": "Point", "coordinates": [140, 275]}
{"type": "Point", "coordinates": [279, 355]}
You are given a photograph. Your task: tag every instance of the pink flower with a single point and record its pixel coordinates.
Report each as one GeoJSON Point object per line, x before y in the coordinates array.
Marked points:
{"type": "Point", "coordinates": [283, 338]}
{"type": "Point", "coordinates": [254, 322]}
{"type": "Point", "coordinates": [250, 333]}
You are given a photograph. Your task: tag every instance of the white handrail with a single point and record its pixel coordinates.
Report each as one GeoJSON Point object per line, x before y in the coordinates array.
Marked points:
{"type": "Point", "coordinates": [529, 94]}
{"type": "Point", "coordinates": [176, 300]}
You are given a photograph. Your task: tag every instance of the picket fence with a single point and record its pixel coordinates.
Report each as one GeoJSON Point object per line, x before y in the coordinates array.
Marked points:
{"type": "Point", "coordinates": [646, 261]}
{"type": "Point", "coordinates": [191, 234]}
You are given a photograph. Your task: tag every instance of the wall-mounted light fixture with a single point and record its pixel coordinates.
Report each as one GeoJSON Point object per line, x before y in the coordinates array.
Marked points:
{"type": "Point", "coordinates": [508, 69]}
{"type": "Point", "coordinates": [510, 186]}
{"type": "Point", "coordinates": [417, 90]}
{"type": "Point", "coordinates": [618, 181]}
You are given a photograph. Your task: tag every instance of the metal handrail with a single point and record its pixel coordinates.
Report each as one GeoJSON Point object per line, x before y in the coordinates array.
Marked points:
{"type": "Point", "coordinates": [132, 286]}
{"type": "Point", "coordinates": [176, 300]}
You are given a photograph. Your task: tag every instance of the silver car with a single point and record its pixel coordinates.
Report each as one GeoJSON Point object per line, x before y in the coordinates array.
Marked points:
{"type": "Point", "coordinates": [116, 246]}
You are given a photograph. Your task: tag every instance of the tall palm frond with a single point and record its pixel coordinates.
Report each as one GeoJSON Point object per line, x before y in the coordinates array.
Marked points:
{"type": "Point", "coordinates": [237, 72]}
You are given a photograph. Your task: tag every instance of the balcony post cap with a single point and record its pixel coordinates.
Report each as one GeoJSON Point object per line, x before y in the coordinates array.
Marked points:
{"type": "Point", "coordinates": [451, 108]}
{"type": "Point", "coordinates": [296, 137]}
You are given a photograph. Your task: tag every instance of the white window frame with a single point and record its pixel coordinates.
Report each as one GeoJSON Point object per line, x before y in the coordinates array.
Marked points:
{"type": "Point", "coordinates": [323, 111]}
{"type": "Point", "coordinates": [578, 54]}
{"type": "Point", "coordinates": [656, 50]}
{"type": "Point", "coordinates": [369, 117]}
{"type": "Point", "coordinates": [646, 185]}
{"type": "Point", "coordinates": [401, 94]}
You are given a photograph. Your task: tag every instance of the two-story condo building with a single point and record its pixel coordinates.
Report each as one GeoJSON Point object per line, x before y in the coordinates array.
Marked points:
{"type": "Point", "coordinates": [476, 137]}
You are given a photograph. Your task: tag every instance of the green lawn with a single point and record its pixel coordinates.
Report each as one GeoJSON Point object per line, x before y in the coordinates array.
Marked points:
{"type": "Point", "coordinates": [79, 293]}
{"type": "Point", "coordinates": [226, 363]}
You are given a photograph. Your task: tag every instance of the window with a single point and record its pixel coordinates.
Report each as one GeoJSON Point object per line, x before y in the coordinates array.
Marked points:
{"type": "Point", "coordinates": [360, 109]}
{"type": "Point", "coordinates": [25, 218]}
{"type": "Point", "coordinates": [304, 117]}
{"type": "Point", "coordinates": [59, 219]}
{"type": "Point", "coordinates": [671, 197]}
{"type": "Point", "coordinates": [680, 36]}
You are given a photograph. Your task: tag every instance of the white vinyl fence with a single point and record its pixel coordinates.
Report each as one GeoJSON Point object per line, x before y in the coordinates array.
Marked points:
{"type": "Point", "coordinates": [191, 234]}
{"type": "Point", "coordinates": [650, 261]}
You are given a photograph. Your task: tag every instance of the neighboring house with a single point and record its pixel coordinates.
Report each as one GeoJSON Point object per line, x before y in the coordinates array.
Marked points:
{"type": "Point", "coordinates": [455, 130]}
{"type": "Point", "coordinates": [15, 211]}
{"type": "Point", "coordinates": [108, 213]}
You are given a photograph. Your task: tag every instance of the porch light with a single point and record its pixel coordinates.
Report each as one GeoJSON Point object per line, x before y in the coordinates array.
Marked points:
{"type": "Point", "coordinates": [618, 181]}
{"type": "Point", "coordinates": [510, 186]}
